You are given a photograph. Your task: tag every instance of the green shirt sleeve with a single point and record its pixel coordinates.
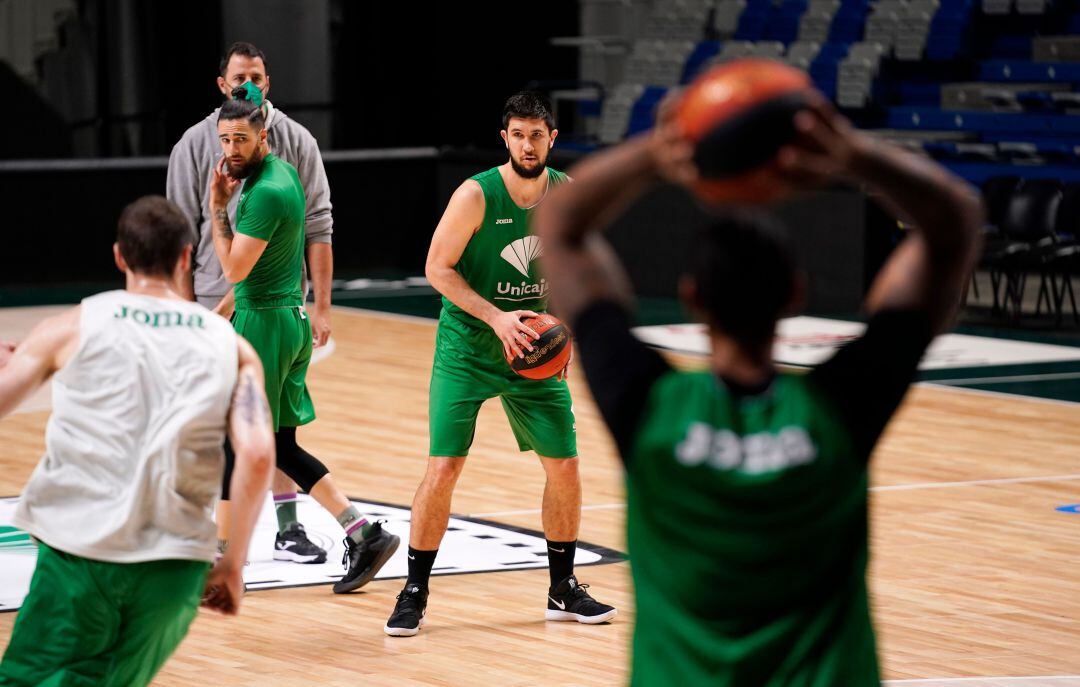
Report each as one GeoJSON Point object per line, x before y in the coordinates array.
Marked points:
{"type": "Point", "coordinates": [262, 212]}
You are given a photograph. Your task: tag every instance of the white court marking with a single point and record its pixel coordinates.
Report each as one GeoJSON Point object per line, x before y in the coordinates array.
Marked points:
{"type": "Point", "coordinates": [809, 341]}
{"type": "Point", "coordinates": [469, 547]}
{"type": "Point", "coordinates": [887, 487]}
{"type": "Point", "coordinates": [1019, 681]}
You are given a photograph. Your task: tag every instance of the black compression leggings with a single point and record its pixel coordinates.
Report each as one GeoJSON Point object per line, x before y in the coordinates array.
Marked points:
{"type": "Point", "coordinates": [301, 467]}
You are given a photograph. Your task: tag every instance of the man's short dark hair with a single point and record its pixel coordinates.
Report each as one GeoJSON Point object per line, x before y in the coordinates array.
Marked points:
{"type": "Point", "coordinates": [152, 233]}
{"type": "Point", "coordinates": [745, 278]}
{"type": "Point", "coordinates": [240, 108]}
{"type": "Point", "coordinates": [528, 105]}
{"type": "Point", "coordinates": [245, 49]}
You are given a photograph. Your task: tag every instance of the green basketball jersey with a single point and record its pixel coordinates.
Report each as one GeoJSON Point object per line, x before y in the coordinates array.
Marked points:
{"type": "Point", "coordinates": [747, 530]}
{"type": "Point", "coordinates": [499, 262]}
{"type": "Point", "coordinates": [272, 207]}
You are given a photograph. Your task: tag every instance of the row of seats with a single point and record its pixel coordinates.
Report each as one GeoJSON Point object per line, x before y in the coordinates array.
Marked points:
{"type": "Point", "coordinates": [1028, 7]}
{"type": "Point", "coordinates": [1006, 152]}
{"type": "Point", "coordinates": [935, 119]}
{"type": "Point", "coordinates": [1017, 97]}
{"type": "Point", "coordinates": [791, 20]}
{"type": "Point", "coordinates": [1032, 229]}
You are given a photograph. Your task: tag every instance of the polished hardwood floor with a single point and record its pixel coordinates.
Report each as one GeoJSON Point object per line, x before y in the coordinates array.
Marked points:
{"type": "Point", "coordinates": [974, 572]}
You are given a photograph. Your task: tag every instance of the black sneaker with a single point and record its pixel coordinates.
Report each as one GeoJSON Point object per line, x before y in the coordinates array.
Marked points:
{"type": "Point", "coordinates": [294, 545]}
{"type": "Point", "coordinates": [568, 601]}
{"type": "Point", "coordinates": [408, 615]}
{"type": "Point", "coordinates": [365, 559]}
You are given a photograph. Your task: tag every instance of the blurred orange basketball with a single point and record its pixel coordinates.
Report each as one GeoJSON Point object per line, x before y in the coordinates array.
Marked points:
{"type": "Point", "coordinates": [550, 353]}
{"type": "Point", "coordinates": [739, 114]}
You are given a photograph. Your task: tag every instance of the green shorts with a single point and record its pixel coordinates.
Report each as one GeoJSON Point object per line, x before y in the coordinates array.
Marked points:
{"type": "Point", "coordinates": [89, 622]}
{"type": "Point", "coordinates": [469, 369]}
{"type": "Point", "coordinates": [282, 338]}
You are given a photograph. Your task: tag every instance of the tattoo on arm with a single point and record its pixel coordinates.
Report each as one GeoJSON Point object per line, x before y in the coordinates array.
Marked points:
{"type": "Point", "coordinates": [252, 407]}
{"type": "Point", "coordinates": [225, 228]}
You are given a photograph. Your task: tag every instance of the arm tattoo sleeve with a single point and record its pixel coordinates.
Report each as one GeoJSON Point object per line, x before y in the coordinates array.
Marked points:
{"type": "Point", "coordinates": [225, 228]}
{"type": "Point", "coordinates": [252, 408]}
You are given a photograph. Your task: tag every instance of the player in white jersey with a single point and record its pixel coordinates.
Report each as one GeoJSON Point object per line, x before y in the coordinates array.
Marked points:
{"type": "Point", "coordinates": [145, 385]}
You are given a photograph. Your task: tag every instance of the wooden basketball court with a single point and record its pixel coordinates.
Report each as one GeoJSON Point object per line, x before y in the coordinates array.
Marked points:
{"type": "Point", "coordinates": [974, 574]}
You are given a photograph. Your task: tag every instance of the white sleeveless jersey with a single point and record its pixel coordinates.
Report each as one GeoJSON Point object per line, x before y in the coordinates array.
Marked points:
{"type": "Point", "coordinates": [133, 451]}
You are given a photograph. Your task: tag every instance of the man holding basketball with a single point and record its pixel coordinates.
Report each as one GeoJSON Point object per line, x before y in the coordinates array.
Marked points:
{"type": "Point", "coordinates": [747, 487]}
{"type": "Point", "coordinates": [482, 260]}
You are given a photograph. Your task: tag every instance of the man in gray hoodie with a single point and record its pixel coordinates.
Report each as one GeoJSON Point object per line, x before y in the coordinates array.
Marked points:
{"type": "Point", "coordinates": [190, 169]}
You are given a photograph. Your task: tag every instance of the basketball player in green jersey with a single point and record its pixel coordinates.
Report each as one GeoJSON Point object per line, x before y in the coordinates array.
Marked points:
{"type": "Point", "coordinates": [483, 261]}
{"type": "Point", "coordinates": [264, 258]}
{"type": "Point", "coordinates": [746, 487]}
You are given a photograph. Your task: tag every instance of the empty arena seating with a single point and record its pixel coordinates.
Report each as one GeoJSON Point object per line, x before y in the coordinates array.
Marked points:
{"type": "Point", "coordinates": [981, 72]}
{"type": "Point", "coordinates": [991, 88]}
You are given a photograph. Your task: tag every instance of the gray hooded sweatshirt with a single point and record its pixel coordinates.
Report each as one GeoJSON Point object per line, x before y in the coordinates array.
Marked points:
{"type": "Point", "coordinates": [188, 185]}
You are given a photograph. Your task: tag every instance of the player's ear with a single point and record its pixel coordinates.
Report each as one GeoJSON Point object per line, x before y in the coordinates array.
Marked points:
{"type": "Point", "coordinates": [119, 259]}
{"type": "Point", "coordinates": [506, 141]}
{"type": "Point", "coordinates": [184, 264]}
{"type": "Point", "coordinates": [551, 142]}
{"type": "Point", "coordinates": [224, 88]}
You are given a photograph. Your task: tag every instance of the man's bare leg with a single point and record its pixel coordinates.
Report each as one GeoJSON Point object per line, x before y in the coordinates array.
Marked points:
{"type": "Point", "coordinates": [431, 504]}
{"type": "Point", "coordinates": [562, 499]}
{"type": "Point", "coordinates": [567, 600]}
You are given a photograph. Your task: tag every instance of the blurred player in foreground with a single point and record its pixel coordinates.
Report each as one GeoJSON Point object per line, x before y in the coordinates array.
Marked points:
{"type": "Point", "coordinates": [747, 487]}
{"type": "Point", "coordinates": [145, 384]}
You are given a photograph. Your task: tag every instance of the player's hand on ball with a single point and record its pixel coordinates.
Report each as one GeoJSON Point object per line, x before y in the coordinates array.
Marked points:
{"type": "Point", "coordinates": [224, 588]}
{"type": "Point", "coordinates": [222, 186]}
{"type": "Point", "coordinates": [826, 146]}
{"type": "Point", "coordinates": [515, 336]}
{"type": "Point", "coordinates": [672, 151]}
{"type": "Point", "coordinates": [320, 325]}
{"type": "Point", "coordinates": [565, 373]}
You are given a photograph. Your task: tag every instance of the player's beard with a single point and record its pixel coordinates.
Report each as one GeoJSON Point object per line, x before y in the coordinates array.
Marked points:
{"type": "Point", "coordinates": [527, 172]}
{"type": "Point", "coordinates": [249, 167]}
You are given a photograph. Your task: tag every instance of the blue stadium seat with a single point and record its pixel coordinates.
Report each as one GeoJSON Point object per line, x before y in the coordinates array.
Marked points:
{"type": "Point", "coordinates": [1012, 47]}
{"type": "Point", "coordinates": [941, 48]}
{"type": "Point", "coordinates": [933, 119]}
{"type": "Point", "coordinates": [751, 26]}
{"type": "Point", "coordinates": [1035, 101]}
{"type": "Point", "coordinates": [920, 93]}
{"type": "Point", "coordinates": [844, 30]}
{"type": "Point", "coordinates": [1024, 70]}
{"type": "Point", "coordinates": [703, 52]}
{"type": "Point", "coordinates": [643, 114]}
{"type": "Point", "coordinates": [782, 28]}
{"type": "Point", "coordinates": [836, 51]}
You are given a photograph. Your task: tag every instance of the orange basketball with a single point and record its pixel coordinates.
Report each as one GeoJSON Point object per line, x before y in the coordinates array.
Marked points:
{"type": "Point", "coordinates": [550, 353]}
{"type": "Point", "coordinates": [738, 115]}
